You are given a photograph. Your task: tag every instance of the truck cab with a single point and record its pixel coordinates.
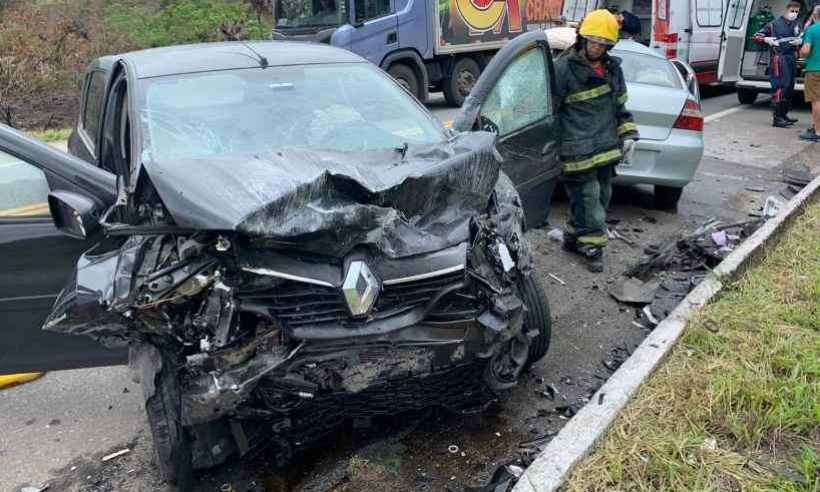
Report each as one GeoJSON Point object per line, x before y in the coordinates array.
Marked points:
{"type": "Point", "coordinates": [744, 62]}
{"type": "Point", "coordinates": [425, 45]}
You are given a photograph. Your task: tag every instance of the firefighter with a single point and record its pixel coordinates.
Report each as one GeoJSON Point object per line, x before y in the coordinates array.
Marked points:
{"type": "Point", "coordinates": [783, 37]}
{"type": "Point", "coordinates": [595, 131]}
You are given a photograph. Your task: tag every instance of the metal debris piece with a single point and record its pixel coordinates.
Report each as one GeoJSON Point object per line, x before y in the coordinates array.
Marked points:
{"type": "Point", "coordinates": [116, 454]}
{"type": "Point", "coordinates": [648, 313]}
{"type": "Point", "coordinates": [453, 449]}
{"type": "Point", "coordinates": [634, 291]}
{"type": "Point", "coordinates": [554, 277]}
{"type": "Point", "coordinates": [638, 325]}
{"type": "Point", "coordinates": [601, 398]}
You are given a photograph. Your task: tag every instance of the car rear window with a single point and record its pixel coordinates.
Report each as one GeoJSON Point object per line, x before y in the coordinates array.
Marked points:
{"type": "Point", "coordinates": [645, 69]}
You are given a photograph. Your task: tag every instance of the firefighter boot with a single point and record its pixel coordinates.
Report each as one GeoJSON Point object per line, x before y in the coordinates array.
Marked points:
{"type": "Point", "coordinates": [593, 255]}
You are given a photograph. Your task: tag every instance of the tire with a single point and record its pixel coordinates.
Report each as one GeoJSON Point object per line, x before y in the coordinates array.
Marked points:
{"type": "Point", "coordinates": [537, 318]}
{"type": "Point", "coordinates": [746, 96]}
{"type": "Point", "coordinates": [667, 197]}
{"type": "Point", "coordinates": [406, 77]}
{"type": "Point", "coordinates": [172, 443]}
{"type": "Point", "coordinates": [461, 81]}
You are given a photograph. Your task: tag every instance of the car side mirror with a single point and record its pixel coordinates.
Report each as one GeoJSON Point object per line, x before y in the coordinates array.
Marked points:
{"type": "Point", "coordinates": [74, 215]}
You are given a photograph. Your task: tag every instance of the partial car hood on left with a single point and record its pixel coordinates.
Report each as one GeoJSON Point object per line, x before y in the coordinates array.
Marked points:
{"type": "Point", "coordinates": [330, 202]}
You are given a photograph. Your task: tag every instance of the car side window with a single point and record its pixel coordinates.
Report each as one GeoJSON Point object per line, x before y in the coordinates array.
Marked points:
{"type": "Point", "coordinates": [23, 189]}
{"type": "Point", "coordinates": [371, 9]}
{"type": "Point", "coordinates": [93, 107]}
{"type": "Point", "coordinates": [520, 97]}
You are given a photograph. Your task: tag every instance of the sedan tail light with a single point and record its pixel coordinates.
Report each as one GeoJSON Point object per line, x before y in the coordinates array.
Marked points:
{"type": "Point", "coordinates": [690, 118]}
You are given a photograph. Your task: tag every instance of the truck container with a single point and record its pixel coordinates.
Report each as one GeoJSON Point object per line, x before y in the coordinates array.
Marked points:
{"type": "Point", "coordinates": [426, 45]}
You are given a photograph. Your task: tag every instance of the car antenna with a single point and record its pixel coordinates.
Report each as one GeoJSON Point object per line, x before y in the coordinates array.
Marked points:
{"type": "Point", "coordinates": [263, 62]}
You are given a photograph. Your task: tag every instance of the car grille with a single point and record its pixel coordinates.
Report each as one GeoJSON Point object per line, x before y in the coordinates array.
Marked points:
{"type": "Point", "coordinates": [296, 303]}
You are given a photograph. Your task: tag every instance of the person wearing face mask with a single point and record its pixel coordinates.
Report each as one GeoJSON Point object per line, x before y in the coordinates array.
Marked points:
{"type": "Point", "coordinates": [595, 131]}
{"type": "Point", "coordinates": [783, 37]}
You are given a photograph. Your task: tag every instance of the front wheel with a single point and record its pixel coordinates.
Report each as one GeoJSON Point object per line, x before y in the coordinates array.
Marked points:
{"type": "Point", "coordinates": [406, 78]}
{"type": "Point", "coordinates": [537, 318]}
{"type": "Point", "coordinates": [172, 442]}
{"type": "Point", "coordinates": [746, 96]}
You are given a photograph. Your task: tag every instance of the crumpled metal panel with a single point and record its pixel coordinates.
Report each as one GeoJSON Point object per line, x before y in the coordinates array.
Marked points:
{"type": "Point", "coordinates": [330, 202]}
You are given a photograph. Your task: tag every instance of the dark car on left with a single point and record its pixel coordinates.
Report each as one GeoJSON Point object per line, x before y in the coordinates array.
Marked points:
{"type": "Point", "coordinates": [283, 239]}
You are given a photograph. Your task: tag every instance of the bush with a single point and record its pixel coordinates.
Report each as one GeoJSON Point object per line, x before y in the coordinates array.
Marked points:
{"type": "Point", "coordinates": [185, 21]}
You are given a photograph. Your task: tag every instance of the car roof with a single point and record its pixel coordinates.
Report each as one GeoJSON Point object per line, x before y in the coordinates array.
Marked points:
{"type": "Point", "coordinates": [206, 57]}
{"type": "Point", "coordinates": [633, 46]}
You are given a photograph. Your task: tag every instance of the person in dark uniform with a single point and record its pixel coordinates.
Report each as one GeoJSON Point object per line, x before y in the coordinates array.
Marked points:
{"type": "Point", "coordinates": [783, 36]}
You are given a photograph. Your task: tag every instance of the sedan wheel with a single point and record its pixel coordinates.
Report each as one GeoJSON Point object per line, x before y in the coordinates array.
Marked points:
{"type": "Point", "coordinates": [667, 197]}
{"type": "Point", "coordinates": [537, 318]}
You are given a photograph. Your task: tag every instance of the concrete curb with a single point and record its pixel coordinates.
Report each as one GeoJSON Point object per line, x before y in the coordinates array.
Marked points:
{"type": "Point", "coordinates": [581, 434]}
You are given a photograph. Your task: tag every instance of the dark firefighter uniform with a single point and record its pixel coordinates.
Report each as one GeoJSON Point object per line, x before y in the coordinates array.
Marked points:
{"type": "Point", "coordinates": [593, 126]}
{"type": "Point", "coordinates": [782, 65]}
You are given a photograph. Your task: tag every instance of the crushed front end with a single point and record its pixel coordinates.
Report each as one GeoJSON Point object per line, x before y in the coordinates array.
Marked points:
{"type": "Point", "coordinates": [252, 342]}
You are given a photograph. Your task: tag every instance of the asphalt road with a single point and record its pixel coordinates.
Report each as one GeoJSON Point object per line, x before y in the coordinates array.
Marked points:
{"type": "Point", "coordinates": [56, 429]}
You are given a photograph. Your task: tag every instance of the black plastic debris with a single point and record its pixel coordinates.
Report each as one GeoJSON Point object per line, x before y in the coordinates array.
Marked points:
{"type": "Point", "coordinates": [800, 175]}
{"type": "Point", "coordinates": [634, 291]}
{"type": "Point", "coordinates": [502, 481]}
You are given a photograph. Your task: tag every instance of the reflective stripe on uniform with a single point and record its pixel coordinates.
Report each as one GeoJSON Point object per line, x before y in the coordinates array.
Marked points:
{"type": "Point", "coordinates": [593, 240]}
{"type": "Point", "coordinates": [626, 128]}
{"type": "Point", "coordinates": [588, 94]}
{"type": "Point", "coordinates": [623, 98]}
{"type": "Point", "coordinates": [590, 162]}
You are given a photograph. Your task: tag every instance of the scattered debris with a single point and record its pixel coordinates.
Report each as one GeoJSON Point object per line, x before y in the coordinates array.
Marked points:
{"type": "Point", "coordinates": [453, 449]}
{"type": "Point", "coordinates": [601, 398]}
{"type": "Point", "coordinates": [567, 411]}
{"type": "Point", "coordinates": [800, 176]}
{"type": "Point", "coordinates": [502, 481]}
{"type": "Point", "coordinates": [554, 277]}
{"type": "Point", "coordinates": [755, 189]}
{"type": "Point", "coordinates": [542, 439]}
{"type": "Point", "coordinates": [614, 234]}
{"type": "Point", "coordinates": [710, 443]}
{"type": "Point", "coordinates": [556, 235]}
{"type": "Point", "coordinates": [720, 238]}
{"type": "Point", "coordinates": [116, 454]}
{"type": "Point", "coordinates": [34, 489]}
{"type": "Point", "coordinates": [634, 291]}
{"type": "Point", "coordinates": [648, 313]}
{"type": "Point", "coordinates": [772, 207]}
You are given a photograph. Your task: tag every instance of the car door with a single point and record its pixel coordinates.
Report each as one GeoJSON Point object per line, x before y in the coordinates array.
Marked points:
{"type": "Point", "coordinates": [513, 98]}
{"type": "Point", "coordinates": [733, 39]}
{"type": "Point", "coordinates": [377, 29]}
{"type": "Point", "coordinates": [36, 260]}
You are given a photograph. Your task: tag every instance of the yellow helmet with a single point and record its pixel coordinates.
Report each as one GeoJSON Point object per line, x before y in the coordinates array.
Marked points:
{"type": "Point", "coordinates": [600, 26]}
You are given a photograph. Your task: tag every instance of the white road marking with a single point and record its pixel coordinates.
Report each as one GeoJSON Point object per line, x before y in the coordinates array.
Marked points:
{"type": "Point", "coordinates": [721, 114]}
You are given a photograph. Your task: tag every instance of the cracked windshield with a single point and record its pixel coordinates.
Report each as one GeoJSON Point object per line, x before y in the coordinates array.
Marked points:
{"type": "Point", "coordinates": [341, 107]}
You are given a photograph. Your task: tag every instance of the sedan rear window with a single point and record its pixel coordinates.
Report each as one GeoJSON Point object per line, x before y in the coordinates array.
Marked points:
{"type": "Point", "coordinates": [645, 69]}
{"type": "Point", "coordinates": [338, 107]}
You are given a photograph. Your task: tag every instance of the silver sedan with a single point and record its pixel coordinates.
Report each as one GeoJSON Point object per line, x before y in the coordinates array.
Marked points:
{"type": "Point", "coordinates": [665, 101]}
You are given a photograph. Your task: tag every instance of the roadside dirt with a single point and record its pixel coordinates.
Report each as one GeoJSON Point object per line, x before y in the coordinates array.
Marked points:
{"type": "Point", "coordinates": [55, 109]}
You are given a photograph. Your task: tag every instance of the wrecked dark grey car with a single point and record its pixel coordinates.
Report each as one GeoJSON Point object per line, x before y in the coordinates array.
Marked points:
{"type": "Point", "coordinates": [284, 239]}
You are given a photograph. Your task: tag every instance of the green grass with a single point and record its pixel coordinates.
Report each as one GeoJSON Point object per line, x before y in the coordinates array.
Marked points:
{"type": "Point", "coordinates": [54, 135]}
{"type": "Point", "coordinates": [737, 404]}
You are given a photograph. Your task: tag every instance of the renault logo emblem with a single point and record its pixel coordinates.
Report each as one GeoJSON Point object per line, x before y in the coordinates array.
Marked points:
{"type": "Point", "coordinates": [360, 288]}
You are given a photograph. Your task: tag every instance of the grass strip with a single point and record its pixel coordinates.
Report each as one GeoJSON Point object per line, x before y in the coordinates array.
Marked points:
{"type": "Point", "coordinates": [54, 135]}
{"type": "Point", "coordinates": [736, 406]}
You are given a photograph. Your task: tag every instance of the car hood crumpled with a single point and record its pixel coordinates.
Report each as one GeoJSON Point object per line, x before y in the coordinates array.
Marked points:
{"type": "Point", "coordinates": [331, 202]}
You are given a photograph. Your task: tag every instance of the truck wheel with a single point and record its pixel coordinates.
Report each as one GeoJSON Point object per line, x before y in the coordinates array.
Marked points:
{"type": "Point", "coordinates": [406, 77]}
{"type": "Point", "coordinates": [172, 443]}
{"type": "Point", "coordinates": [746, 96]}
{"type": "Point", "coordinates": [667, 197]}
{"type": "Point", "coordinates": [537, 318]}
{"type": "Point", "coordinates": [461, 81]}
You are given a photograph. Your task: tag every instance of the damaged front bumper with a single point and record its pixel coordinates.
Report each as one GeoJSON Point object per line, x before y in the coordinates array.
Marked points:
{"type": "Point", "coordinates": [280, 347]}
